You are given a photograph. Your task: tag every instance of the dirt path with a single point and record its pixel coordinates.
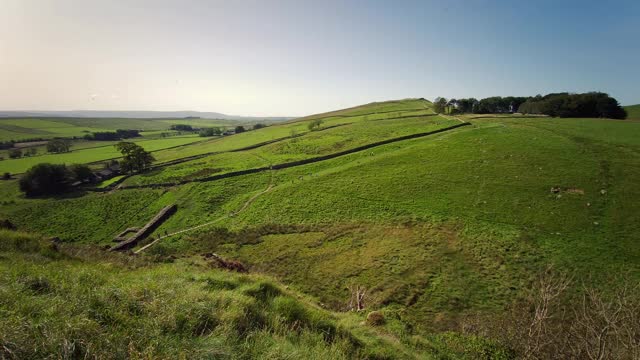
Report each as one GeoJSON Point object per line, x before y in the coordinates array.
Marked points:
{"type": "Point", "coordinates": [232, 214]}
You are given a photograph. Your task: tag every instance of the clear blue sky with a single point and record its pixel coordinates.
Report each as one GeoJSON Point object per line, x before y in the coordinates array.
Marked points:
{"type": "Point", "coordinates": [300, 57]}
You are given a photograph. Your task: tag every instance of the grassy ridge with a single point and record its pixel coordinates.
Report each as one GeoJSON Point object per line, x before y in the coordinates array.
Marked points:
{"type": "Point", "coordinates": [299, 126]}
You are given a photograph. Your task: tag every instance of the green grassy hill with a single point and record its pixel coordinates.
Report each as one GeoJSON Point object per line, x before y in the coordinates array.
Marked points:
{"type": "Point", "coordinates": [633, 111]}
{"type": "Point", "coordinates": [438, 228]}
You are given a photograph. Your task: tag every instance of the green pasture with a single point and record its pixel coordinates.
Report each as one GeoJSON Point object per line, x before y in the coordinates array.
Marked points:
{"type": "Point", "coordinates": [97, 305]}
{"type": "Point", "coordinates": [633, 111]}
{"type": "Point", "coordinates": [437, 228]}
{"type": "Point", "coordinates": [310, 144]}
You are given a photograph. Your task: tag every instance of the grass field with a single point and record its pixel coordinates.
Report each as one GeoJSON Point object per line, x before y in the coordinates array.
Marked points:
{"type": "Point", "coordinates": [30, 128]}
{"type": "Point", "coordinates": [79, 295]}
{"type": "Point", "coordinates": [633, 112]}
{"type": "Point", "coordinates": [438, 228]}
{"type": "Point", "coordinates": [97, 151]}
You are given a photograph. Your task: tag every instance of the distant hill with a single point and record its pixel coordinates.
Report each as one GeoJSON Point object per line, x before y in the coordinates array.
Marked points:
{"type": "Point", "coordinates": [135, 115]}
{"type": "Point", "coordinates": [633, 111]}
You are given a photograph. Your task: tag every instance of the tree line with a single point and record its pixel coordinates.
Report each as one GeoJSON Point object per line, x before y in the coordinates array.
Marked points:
{"type": "Point", "coordinates": [591, 104]}
{"type": "Point", "coordinates": [111, 135]}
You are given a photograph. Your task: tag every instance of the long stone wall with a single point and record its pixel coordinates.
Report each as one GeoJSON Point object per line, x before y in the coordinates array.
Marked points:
{"type": "Point", "coordinates": [160, 217]}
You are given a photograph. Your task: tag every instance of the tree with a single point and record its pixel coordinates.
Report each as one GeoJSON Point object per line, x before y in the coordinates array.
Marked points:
{"type": "Point", "coordinates": [452, 106]}
{"type": "Point", "coordinates": [181, 127]}
{"type": "Point", "coordinates": [314, 124]}
{"type": "Point", "coordinates": [80, 172]}
{"type": "Point", "coordinates": [259, 126]}
{"type": "Point", "coordinates": [440, 105]}
{"type": "Point", "coordinates": [240, 129]}
{"type": "Point", "coordinates": [466, 105]}
{"type": "Point", "coordinates": [15, 153]}
{"type": "Point", "coordinates": [135, 158]}
{"type": "Point", "coordinates": [58, 146]}
{"type": "Point", "coordinates": [32, 151]}
{"type": "Point", "coordinates": [214, 131]}
{"type": "Point", "coordinates": [6, 176]}
{"type": "Point", "coordinates": [45, 179]}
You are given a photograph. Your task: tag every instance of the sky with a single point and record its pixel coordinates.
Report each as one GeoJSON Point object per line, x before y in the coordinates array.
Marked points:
{"type": "Point", "coordinates": [293, 58]}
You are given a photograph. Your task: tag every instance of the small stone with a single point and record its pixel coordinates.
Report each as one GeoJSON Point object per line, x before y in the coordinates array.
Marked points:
{"type": "Point", "coordinates": [603, 191]}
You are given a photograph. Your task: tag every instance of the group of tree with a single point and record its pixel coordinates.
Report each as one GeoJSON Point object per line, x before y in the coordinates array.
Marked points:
{"type": "Point", "coordinates": [112, 136]}
{"type": "Point", "coordinates": [59, 146]}
{"type": "Point", "coordinates": [259, 126]}
{"type": "Point", "coordinates": [181, 127]}
{"type": "Point", "coordinates": [51, 179]}
{"type": "Point", "coordinates": [490, 105]}
{"type": "Point", "coordinates": [216, 131]}
{"type": "Point", "coordinates": [134, 157]}
{"type": "Point", "coordinates": [212, 131]}
{"type": "Point", "coordinates": [592, 104]}
{"type": "Point", "coordinates": [16, 153]}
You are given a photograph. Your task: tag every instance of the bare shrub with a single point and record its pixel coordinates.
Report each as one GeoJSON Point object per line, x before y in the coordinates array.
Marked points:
{"type": "Point", "coordinates": [606, 326]}
{"type": "Point", "coordinates": [358, 297]}
{"type": "Point", "coordinates": [551, 323]}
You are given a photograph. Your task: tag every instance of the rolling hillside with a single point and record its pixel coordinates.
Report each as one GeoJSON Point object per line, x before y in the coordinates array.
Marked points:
{"type": "Point", "coordinates": [633, 111]}
{"type": "Point", "coordinates": [439, 219]}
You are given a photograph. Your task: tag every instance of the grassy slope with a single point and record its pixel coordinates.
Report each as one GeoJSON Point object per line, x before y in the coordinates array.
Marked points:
{"type": "Point", "coordinates": [312, 144]}
{"type": "Point", "coordinates": [633, 111]}
{"type": "Point", "coordinates": [438, 227]}
{"type": "Point", "coordinates": [299, 126]}
{"type": "Point", "coordinates": [79, 303]}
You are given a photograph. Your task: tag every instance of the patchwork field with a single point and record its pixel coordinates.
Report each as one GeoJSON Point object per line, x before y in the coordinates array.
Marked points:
{"type": "Point", "coordinates": [92, 151]}
{"type": "Point", "coordinates": [437, 228]}
{"type": "Point", "coordinates": [32, 128]}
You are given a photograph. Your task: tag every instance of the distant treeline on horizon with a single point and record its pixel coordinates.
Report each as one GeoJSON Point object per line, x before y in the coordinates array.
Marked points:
{"type": "Point", "coordinates": [589, 105]}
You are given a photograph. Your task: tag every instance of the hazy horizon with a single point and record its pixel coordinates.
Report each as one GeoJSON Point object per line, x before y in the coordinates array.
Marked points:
{"type": "Point", "coordinates": [294, 58]}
